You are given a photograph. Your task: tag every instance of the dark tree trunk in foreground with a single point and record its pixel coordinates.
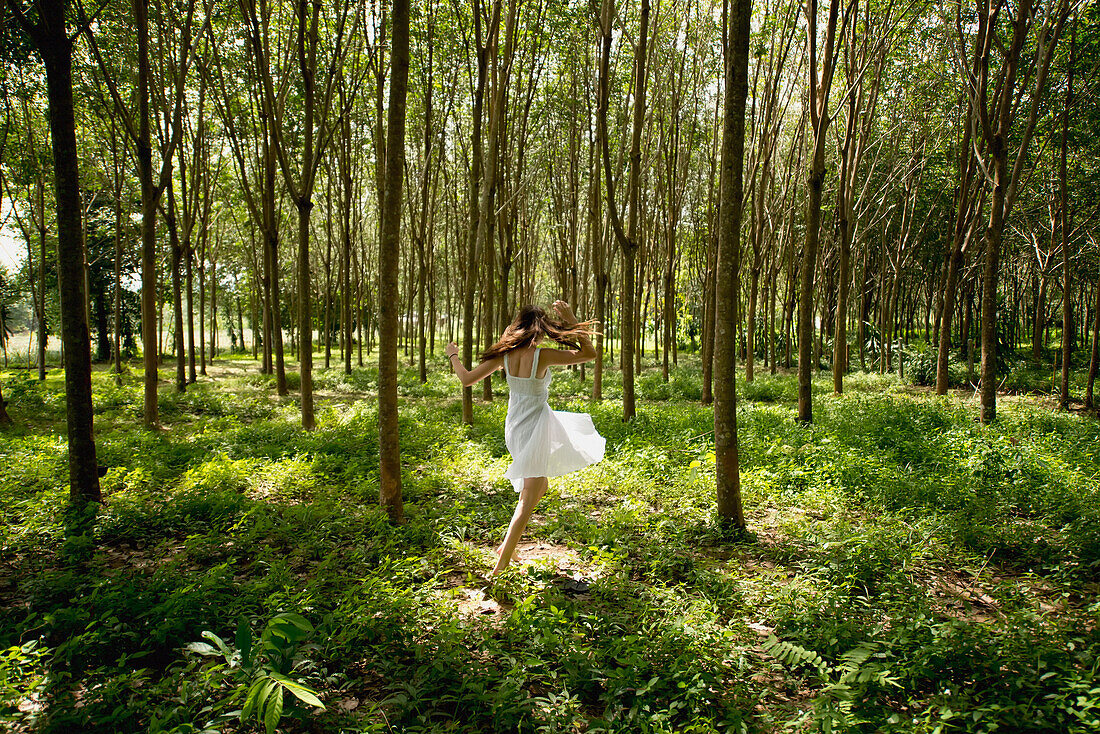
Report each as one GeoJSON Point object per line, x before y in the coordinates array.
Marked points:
{"type": "Point", "coordinates": [389, 263]}
{"type": "Point", "coordinates": [53, 43]}
{"type": "Point", "coordinates": [725, 333]}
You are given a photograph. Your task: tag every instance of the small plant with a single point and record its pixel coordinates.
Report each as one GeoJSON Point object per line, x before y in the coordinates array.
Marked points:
{"type": "Point", "coordinates": [859, 671]}
{"type": "Point", "coordinates": [264, 668]}
{"type": "Point", "coordinates": [22, 679]}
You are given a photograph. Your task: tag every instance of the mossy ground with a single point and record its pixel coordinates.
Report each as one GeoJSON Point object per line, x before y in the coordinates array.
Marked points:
{"type": "Point", "coordinates": [919, 572]}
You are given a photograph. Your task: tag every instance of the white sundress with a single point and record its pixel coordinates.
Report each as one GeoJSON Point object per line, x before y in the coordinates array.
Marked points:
{"type": "Point", "coordinates": [544, 442]}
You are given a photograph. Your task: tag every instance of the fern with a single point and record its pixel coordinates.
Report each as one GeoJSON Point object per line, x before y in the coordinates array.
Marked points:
{"type": "Point", "coordinates": [794, 655]}
{"type": "Point", "coordinates": [859, 670]}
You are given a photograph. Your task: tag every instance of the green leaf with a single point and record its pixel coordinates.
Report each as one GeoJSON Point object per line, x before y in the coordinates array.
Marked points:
{"type": "Point", "coordinates": [218, 641]}
{"type": "Point", "coordinates": [274, 710]}
{"type": "Point", "coordinates": [295, 619]}
{"type": "Point", "coordinates": [244, 642]}
{"type": "Point", "coordinates": [302, 692]}
{"type": "Point", "coordinates": [201, 648]}
{"type": "Point", "coordinates": [257, 694]}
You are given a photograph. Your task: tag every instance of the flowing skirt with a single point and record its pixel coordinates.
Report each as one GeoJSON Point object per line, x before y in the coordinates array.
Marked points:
{"type": "Point", "coordinates": [548, 443]}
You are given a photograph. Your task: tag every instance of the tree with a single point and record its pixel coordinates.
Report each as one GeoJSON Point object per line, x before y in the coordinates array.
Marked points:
{"type": "Point", "coordinates": [729, 246]}
{"type": "Point", "coordinates": [820, 84]}
{"type": "Point", "coordinates": [995, 112]}
{"type": "Point", "coordinates": [317, 130]}
{"type": "Point", "coordinates": [628, 238]}
{"type": "Point", "coordinates": [475, 174]}
{"type": "Point", "coordinates": [54, 44]}
{"type": "Point", "coordinates": [389, 260]}
{"type": "Point", "coordinates": [140, 133]}
{"type": "Point", "coordinates": [1064, 225]}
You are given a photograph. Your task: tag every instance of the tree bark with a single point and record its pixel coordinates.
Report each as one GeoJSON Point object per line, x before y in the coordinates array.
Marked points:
{"type": "Point", "coordinates": [628, 240]}
{"type": "Point", "coordinates": [1064, 224]}
{"type": "Point", "coordinates": [468, 303]}
{"type": "Point", "coordinates": [149, 336]}
{"type": "Point", "coordinates": [176, 251]}
{"type": "Point", "coordinates": [1094, 361]}
{"type": "Point", "coordinates": [819, 115]}
{"type": "Point", "coordinates": [50, 36]}
{"type": "Point", "coordinates": [728, 472]}
{"type": "Point", "coordinates": [389, 263]}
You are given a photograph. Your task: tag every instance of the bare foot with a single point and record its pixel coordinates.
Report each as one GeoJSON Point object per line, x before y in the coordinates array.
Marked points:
{"type": "Point", "coordinates": [516, 557]}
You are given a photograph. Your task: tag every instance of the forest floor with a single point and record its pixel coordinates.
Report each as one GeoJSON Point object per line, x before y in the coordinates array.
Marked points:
{"type": "Point", "coordinates": [905, 568]}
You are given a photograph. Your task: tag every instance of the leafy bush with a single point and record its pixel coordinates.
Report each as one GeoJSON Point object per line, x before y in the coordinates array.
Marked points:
{"type": "Point", "coordinates": [921, 363]}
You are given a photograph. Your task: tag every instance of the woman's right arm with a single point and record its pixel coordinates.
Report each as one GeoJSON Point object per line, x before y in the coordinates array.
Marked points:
{"type": "Point", "coordinates": [586, 353]}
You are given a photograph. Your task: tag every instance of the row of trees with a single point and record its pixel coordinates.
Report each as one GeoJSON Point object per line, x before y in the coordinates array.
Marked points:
{"type": "Point", "coordinates": [788, 183]}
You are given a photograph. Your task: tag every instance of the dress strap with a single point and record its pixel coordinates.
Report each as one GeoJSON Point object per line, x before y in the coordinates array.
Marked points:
{"type": "Point", "coordinates": [535, 363]}
{"type": "Point", "coordinates": [506, 370]}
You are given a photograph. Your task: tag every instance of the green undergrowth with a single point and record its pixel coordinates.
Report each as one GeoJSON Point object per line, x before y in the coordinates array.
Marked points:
{"type": "Point", "coordinates": [905, 568]}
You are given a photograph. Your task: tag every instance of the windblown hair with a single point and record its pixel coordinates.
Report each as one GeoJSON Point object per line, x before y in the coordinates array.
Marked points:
{"type": "Point", "coordinates": [530, 325]}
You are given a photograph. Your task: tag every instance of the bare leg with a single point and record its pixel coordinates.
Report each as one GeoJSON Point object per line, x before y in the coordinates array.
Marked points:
{"type": "Point", "coordinates": [533, 490]}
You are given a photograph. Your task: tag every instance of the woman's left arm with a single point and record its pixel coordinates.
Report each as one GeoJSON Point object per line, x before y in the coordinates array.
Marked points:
{"type": "Point", "coordinates": [471, 377]}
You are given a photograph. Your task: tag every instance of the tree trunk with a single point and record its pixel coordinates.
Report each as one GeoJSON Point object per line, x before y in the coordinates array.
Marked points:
{"type": "Point", "coordinates": [1064, 223]}
{"type": "Point", "coordinates": [42, 336]}
{"type": "Point", "coordinates": [819, 115]}
{"type": "Point", "coordinates": [5, 419]}
{"type": "Point", "coordinates": [728, 472]}
{"type": "Point", "coordinates": [468, 304]}
{"type": "Point", "coordinates": [149, 336]}
{"type": "Point", "coordinates": [628, 240]}
{"type": "Point", "coordinates": [189, 284]}
{"type": "Point", "coordinates": [389, 263]}
{"type": "Point", "coordinates": [1094, 361]}
{"type": "Point", "coordinates": [990, 276]}
{"type": "Point", "coordinates": [56, 48]}
{"type": "Point", "coordinates": [177, 290]}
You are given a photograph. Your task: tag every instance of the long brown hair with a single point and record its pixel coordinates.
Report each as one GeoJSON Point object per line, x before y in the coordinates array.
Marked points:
{"type": "Point", "coordinates": [532, 323]}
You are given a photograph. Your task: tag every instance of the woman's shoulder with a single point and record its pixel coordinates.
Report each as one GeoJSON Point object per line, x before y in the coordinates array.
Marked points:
{"type": "Point", "coordinates": [549, 355]}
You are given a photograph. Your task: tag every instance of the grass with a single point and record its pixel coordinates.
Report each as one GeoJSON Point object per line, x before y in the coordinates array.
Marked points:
{"type": "Point", "coordinates": [906, 568]}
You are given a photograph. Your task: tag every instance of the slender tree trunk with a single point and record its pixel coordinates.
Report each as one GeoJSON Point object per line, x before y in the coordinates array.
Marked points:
{"type": "Point", "coordinates": [707, 347]}
{"type": "Point", "coordinates": [990, 276]}
{"type": "Point", "coordinates": [819, 114]}
{"type": "Point", "coordinates": [628, 240]}
{"type": "Point", "coordinates": [177, 290]}
{"type": "Point", "coordinates": [43, 336]}
{"type": "Point", "coordinates": [1064, 223]}
{"type": "Point", "coordinates": [421, 240]}
{"type": "Point", "coordinates": [202, 311]}
{"type": "Point", "coordinates": [1039, 322]}
{"type": "Point", "coordinates": [273, 339]}
{"type": "Point", "coordinates": [5, 419]}
{"type": "Point", "coordinates": [1094, 361]}
{"type": "Point", "coordinates": [728, 472]}
{"type": "Point", "coordinates": [189, 259]}
{"type": "Point", "coordinates": [389, 263]}
{"type": "Point", "coordinates": [214, 313]}
{"type": "Point", "coordinates": [118, 284]}
{"type": "Point", "coordinates": [56, 48]}
{"type": "Point", "coordinates": [149, 330]}
{"type": "Point", "coordinates": [469, 304]}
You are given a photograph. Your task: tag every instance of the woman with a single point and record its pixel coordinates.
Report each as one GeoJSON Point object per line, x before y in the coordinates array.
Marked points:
{"type": "Point", "coordinates": [543, 443]}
